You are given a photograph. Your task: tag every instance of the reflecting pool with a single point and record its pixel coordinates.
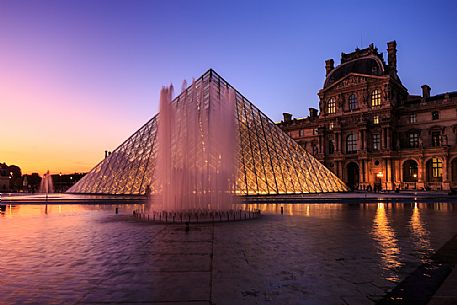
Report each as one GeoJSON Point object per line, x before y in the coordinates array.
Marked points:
{"type": "Point", "coordinates": [313, 253]}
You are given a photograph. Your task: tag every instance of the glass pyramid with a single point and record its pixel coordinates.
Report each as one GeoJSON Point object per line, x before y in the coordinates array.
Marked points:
{"type": "Point", "coordinates": [270, 162]}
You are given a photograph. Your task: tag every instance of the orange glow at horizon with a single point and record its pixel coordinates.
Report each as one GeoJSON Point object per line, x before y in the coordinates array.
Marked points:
{"type": "Point", "coordinates": [68, 136]}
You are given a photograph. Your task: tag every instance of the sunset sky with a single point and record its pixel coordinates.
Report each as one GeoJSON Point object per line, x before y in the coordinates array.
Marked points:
{"type": "Point", "coordinates": [78, 77]}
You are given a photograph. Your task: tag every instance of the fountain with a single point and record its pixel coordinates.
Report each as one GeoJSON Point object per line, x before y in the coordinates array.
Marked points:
{"type": "Point", "coordinates": [196, 157]}
{"type": "Point", "coordinates": [46, 185]}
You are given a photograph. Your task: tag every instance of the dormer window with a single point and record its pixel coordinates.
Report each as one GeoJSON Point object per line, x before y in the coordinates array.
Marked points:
{"type": "Point", "coordinates": [375, 98]}
{"type": "Point", "coordinates": [352, 102]}
{"type": "Point", "coordinates": [331, 106]}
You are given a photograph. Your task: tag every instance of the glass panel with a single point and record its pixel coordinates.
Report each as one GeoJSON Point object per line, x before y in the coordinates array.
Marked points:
{"type": "Point", "coordinates": [269, 161]}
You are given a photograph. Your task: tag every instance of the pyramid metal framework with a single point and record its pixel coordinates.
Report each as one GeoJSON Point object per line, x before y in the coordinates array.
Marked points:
{"type": "Point", "coordinates": [270, 162]}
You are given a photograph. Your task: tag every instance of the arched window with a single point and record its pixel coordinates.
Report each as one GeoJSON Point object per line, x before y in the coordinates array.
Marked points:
{"type": "Point", "coordinates": [331, 105]}
{"type": "Point", "coordinates": [352, 102]}
{"type": "Point", "coordinates": [375, 98]}
{"type": "Point", "coordinates": [437, 167]}
{"type": "Point", "coordinates": [410, 171]}
{"type": "Point", "coordinates": [351, 144]}
{"type": "Point", "coordinates": [434, 169]}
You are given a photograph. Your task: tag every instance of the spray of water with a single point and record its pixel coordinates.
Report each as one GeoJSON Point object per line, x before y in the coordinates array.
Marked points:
{"type": "Point", "coordinates": [197, 146]}
{"type": "Point", "coordinates": [46, 185]}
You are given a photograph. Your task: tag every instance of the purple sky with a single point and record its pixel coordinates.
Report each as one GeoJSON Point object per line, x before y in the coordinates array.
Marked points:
{"type": "Point", "coordinates": [78, 77]}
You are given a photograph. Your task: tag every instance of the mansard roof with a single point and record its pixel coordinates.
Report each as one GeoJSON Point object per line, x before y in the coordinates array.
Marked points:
{"type": "Point", "coordinates": [362, 61]}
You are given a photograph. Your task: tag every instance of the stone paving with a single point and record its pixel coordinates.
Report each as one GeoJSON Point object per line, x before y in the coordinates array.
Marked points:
{"type": "Point", "coordinates": [447, 293]}
{"type": "Point", "coordinates": [314, 254]}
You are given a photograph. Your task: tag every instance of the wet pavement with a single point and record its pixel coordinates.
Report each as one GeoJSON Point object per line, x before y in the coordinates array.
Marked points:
{"type": "Point", "coordinates": [313, 254]}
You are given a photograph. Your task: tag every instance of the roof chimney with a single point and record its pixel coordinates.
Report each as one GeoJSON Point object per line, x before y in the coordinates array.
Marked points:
{"type": "Point", "coordinates": [312, 112]}
{"type": "Point", "coordinates": [329, 66]}
{"type": "Point", "coordinates": [426, 91]}
{"type": "Point", "coordinates": [287, 117]}
{"type": "Point", "coordinates": [392, 56]}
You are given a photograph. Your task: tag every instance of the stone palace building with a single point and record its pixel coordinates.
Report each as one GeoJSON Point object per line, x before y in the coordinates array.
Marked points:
{"type": "Point", "coordinates": [372, 133]}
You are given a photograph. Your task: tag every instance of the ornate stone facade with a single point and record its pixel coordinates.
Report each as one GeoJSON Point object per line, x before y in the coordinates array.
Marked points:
{"type": "Point", "coordinates": [373, 134]}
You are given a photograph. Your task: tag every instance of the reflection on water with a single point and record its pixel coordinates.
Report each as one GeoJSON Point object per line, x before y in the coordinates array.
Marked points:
{"type": "Point", "coordinates": [388, 222]}
{"type": "Point", "coordinates": [420, 234]}
{"type": "Point", "coordinates": [388, 249]}
{"type": "Point", "coordinates": [66, 248]}
{"type": "Point", "coordinates": [298, 209]}
{"type": "Point", "coordinates": [36, 210]}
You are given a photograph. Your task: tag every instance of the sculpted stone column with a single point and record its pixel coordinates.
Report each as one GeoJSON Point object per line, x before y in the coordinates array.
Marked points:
{"type": "Point", "coordinates": [445, 185]}
{"type": "Point", "coordinates": [388, 174]}
{"type": "Point", "coordinates": [388, 145]}
{"type": "Point", "coordinates": [397, 172]}
{"type": "Point", "coordinates": [421, 174]}
{"type": "Point", "coordinates": [360, 140]}
{"type": "Point", "coordinates": [337, 142]}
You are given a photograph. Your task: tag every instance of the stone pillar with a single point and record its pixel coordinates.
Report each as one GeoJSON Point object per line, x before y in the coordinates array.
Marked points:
{"type": "Point", "coordinates": [359, 140]}
{"type": "Point", "coordinates": [337, 142]}
{"type": "Point", "coordinates": [321, 144]}
{"type": "Point", "coordinates": [341, 142]}
{"type": "Point", "coordinates": [446, 185]}
{"type": "Point", "coordinates": [341, 170]}
{"type": "Point", "coordinates": [398, 177]}
{"type": "Point", "coordinates": [364, 139]}
{"type": "Point", "coordinates": [388, 144]}
{"type": "Point", "coordinates": [389, 174]}
{"type": "Point", "coordinates": [421, 174]}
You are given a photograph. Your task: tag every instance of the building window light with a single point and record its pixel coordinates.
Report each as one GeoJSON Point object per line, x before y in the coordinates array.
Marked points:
{"type": "Point", "coordinates": [375, 98]}
{"type": "Point", "coordinates": [437, 168]}
{"type": "Point", "coordinates": [376, 119]}
{"type": "Point", "coordinates": [331, 106]}
{"type": "Point", "coordinates": [376, 141]}
{"type": "Point", "coordinates": [412, 118]}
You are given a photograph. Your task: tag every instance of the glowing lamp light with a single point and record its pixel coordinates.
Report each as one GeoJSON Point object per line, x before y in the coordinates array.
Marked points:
{"type": "Point", "coordinates": [414, 175]}
{"type": "Point", "coordinates": [379, 175]}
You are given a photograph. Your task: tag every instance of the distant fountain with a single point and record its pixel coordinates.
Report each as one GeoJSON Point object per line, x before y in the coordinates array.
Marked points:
{"type": "Point", "coordinates": [197, 149]}
{"type": "Point", "coordinates": [46, 185]}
